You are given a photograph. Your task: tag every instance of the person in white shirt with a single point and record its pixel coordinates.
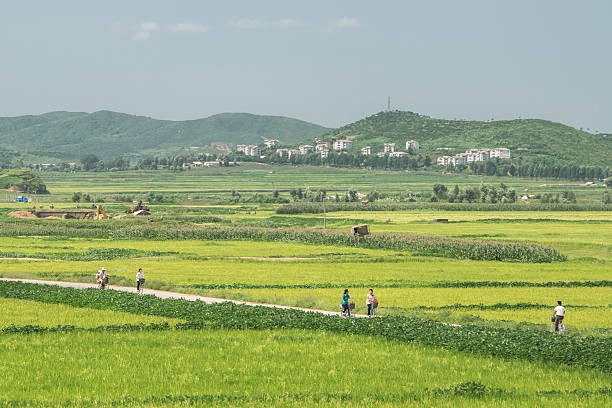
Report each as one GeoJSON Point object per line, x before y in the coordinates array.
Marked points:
{"type": "Point", "coordinates": [140, 280]}
{"type": "Point", "coordinates": [370, 298]}
{"type": "Point", "coordinates": [559, 313]}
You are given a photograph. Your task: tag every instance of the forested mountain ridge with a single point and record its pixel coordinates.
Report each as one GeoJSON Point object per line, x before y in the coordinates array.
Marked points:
{"type": "Point", "coordinates": [530, 139]}
{"type": "Point", "coordinates": [68, 136]}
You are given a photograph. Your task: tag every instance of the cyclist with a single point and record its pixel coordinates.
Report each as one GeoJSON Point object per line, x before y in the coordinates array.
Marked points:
{"type": "Point", "coordinates": [140, 280]}
{"type": "Point", "coordinates": [346, 311]}
{"type": "Point", "coordinates": [102, 278]}
{"type": "Point", "coordinates": [559, 314]}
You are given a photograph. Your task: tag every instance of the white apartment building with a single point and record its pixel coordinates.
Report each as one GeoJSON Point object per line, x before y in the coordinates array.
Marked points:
{"type": "Point", "coordinates": [412, 144]}
{"type": "Point", "coordinates": [443, 160]}
{"type": "Point", "coordinates": [501, 152]}
{"type": "Point", "coordinates": [252, 150]}
{"type": "Point", "coordinates": [459, 159]}
{"type": "Point", "coordinates": [366, 151]}
{"type": "Point", "coordinates": [389, 148]}
{"type": "Point", "coordinates": [324, 152]}
{"type": "Point", "coordinates": [474, 155]}
{"type": "Point", "coordinates": [287, 153]}
{"type": "Point", "coordinates": [305, 149]}
{"type": "Point", "coordinates": [241, 148]}
{"type": "Point", "coordinates": [271, 143]}
{"type": "Point", "coordinates": [322, 146]}
{"type": "Point", "coordinates": [343, 144]}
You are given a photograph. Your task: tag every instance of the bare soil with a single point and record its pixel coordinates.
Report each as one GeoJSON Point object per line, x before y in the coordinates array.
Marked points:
{"type": "Point", "coordinates": [22, 214]}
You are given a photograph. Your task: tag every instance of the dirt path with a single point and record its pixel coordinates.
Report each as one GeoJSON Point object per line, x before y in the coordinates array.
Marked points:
{"type": "Point", "coordinates": [171, 295]}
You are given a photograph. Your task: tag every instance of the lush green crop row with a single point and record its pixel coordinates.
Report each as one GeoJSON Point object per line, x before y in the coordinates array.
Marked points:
{"type": "Point", "coordinates": [89, 254]}
{"type": "Point", "coordinates": [439, 284]}
{"type": "Point", "coordinates": [422, 244]}
{"type": "Point", "coordinates": [318, 208]}
{"type": "Point", "coordinates": [590, 352]}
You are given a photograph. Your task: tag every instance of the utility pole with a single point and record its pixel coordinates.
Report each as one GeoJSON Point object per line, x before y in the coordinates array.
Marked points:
{"type": "Point", "coordinates": [323, 194]}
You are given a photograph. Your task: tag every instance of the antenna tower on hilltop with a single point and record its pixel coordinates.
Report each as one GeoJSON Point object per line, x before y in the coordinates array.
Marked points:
{"type": "Point", "coordinates": [388, 104]}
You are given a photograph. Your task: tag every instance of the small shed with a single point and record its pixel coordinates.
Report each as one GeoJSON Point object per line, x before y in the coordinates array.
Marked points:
{"type": "Point", "coordinates": [360, 230]}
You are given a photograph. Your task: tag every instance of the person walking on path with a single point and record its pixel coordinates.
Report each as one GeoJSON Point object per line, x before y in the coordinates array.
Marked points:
{"type": "Point", "coordinates": [370, 303]}
{"type": "Point", "coordinates": [346, 311]}
{"type": "Point", "coordinates": [559, 314]}
{"type": "Point", "coordinates": [140, 280]}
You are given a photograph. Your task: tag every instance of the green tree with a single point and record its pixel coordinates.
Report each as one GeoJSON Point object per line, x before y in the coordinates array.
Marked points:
{"type": "Point", "coordinates": [89, 161]}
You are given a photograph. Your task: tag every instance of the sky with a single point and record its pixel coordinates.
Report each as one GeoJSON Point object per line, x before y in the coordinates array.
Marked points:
{"type": "Point", "coordinates": [328, 62]}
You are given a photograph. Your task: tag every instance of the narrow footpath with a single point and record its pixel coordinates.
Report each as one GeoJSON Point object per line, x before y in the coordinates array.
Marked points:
{"type": "Point", "coordinates": [170, 295]}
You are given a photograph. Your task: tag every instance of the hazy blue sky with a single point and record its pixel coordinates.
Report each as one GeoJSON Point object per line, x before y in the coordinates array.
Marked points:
{"type": "Point", "coordinates": [330, 62]}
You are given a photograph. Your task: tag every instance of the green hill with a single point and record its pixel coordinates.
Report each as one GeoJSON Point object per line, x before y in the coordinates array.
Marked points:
{"type": "Point", "coordinates": [21, 180]}
{"type": "Point", "coordinates": [529, 139]}
{"type": "Point", "coordinates": [67, 136]}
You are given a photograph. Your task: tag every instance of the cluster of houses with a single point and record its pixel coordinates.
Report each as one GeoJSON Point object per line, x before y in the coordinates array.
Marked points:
{"type": "Point", "coordinates": [324, 148]}
{"type": "Point", "coordinates": [474, 155]}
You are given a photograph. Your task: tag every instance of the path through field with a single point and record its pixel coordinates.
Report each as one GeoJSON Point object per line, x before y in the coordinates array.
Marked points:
{"type": "Point", "coordinates": [171, 295]}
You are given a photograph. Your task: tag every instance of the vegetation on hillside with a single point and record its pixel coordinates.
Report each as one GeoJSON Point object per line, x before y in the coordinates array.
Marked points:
{"type": "Point", "coordinates": [67, 136]}
{"type": "Point", "coordinates": [528, 139]}
{"type": "Point", "coordinates": [21, 180]}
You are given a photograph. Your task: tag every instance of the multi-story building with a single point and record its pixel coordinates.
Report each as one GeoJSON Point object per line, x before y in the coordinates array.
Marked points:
{"type": "Point", "coordinates": [272, 143]}
{"type": "Point", "coordinates": [305, 149]}
{"type": "Point", "coordinates": [412, 145]}
{"type": "Point", "coordinates": [241, 148]}
{"type": "Point", "coordinates": [343, 144]}
{"type": "Point", "coordinates": [389, 147]}
{"type": "Point", "coordinates": [474, 155]}
{"type": "Point", "coordinates": [324, 151]}
{"type": "Point", "coordinates": [459, 159]}
{"type": "Point", "coordinates": [501, 152]}
{"type": "Point", "coordinates": [252, 150]}
{"type": "Point", "coordinates": [287, 153]}
{"type": "Point", "coordinates": [443, 160]}
{"type": "Point", "coordinates": [322, 146]}
{"type": "Point", "coordinates": [366, 151]}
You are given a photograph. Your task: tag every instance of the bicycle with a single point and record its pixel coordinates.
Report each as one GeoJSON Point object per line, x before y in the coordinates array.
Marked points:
{"type": "Point", "coordinates": [140, 286]}
{"type": "Point", "coordinates": [346, 309]}
{"type": "Point", "coordinates": [560, 326]}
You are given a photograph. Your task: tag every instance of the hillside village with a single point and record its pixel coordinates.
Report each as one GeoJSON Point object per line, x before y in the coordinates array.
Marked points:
{"type": "Point", "coordinates": [324, 148]}
{"type": "Point", "coordinates": [388, 149]}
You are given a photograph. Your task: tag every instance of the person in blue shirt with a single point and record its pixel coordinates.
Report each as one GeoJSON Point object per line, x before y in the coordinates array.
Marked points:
{"type": "Point", "coordinates": [346, 311]}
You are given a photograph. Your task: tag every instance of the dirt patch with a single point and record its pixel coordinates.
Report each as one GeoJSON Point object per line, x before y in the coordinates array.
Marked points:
{"type": "Point", "coordinates": [22, 214]}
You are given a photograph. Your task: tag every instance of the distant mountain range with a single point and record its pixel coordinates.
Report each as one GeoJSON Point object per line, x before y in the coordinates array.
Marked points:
{"type": "Point", "coordinates": [68, 136]}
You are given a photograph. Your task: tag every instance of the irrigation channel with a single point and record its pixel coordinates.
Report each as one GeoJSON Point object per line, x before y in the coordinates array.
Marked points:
{"type": "Point", "coordinates": [171, 295]}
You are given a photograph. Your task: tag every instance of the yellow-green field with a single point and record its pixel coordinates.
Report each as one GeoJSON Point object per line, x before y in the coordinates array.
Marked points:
{"type": "Point", "coordinates": [25, 312]}
{"type": "Point", "coordinates": [277, 367]}
{"type": "Point", "coordinates": [94, 363]}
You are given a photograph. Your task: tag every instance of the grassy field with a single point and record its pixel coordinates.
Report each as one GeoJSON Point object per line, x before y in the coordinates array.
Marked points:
{"type": "Point", "coordinates": [259, 368]}
{"type": "Point", "coordinates": [211, 185]}
{"type": "Point", "coordinates": [299, 367]}
{"type": "Point", "coordinates": [314, 275]}
{"type": "Point", "coordinates": [26, 312]}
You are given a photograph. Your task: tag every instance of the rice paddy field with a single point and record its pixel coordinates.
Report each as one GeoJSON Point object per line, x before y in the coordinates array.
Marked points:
{"type": "Point", "coordinates": [58, 352]}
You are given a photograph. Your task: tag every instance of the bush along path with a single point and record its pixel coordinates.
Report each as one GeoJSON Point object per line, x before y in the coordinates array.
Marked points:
{"type": "Point", "coordinates": [528, 344]}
